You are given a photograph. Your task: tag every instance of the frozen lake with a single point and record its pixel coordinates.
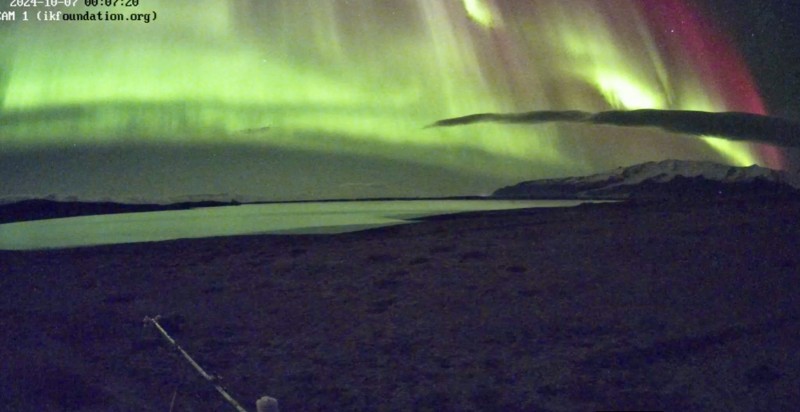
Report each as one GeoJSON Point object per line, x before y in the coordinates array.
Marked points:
{"type": "Point", "coordinates": [273, 218]}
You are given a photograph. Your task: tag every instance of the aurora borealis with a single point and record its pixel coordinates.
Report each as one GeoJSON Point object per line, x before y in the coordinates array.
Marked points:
{"type": "Point", "coordinates": [291, 99]}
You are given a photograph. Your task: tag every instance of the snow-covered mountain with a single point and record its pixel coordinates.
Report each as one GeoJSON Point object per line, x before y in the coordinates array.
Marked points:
{"type": "Point", "coordinates": [668, 178]}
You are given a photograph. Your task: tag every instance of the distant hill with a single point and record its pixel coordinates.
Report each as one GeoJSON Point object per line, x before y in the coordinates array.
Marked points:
{"type": "Point", "coordinates": [673, 179]}
{"type": "Point", "coordinates": [37, 209]}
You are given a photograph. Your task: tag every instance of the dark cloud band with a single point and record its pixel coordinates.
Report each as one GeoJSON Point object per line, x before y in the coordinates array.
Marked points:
{"type": "Point", "coordinates": [728, 125]}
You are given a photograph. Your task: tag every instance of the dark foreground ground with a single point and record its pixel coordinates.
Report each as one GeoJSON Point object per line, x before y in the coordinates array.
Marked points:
{"type": "Point", "coordinates": [663, 307]}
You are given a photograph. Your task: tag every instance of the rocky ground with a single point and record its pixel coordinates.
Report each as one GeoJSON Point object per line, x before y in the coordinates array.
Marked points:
{"type": "Point", "coordinates": [669, 306]}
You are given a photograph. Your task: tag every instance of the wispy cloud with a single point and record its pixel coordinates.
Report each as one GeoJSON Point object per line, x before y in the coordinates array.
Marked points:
{"type": "Point", "coordinates": [728, 125]}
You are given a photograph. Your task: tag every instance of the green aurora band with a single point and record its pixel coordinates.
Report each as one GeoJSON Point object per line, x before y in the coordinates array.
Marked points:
{"type": "Point", "coordinates": [359, 78]}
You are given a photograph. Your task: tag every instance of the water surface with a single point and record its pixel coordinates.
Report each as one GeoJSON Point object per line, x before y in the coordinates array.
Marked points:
{"type": "Point", "coordinates": [275, 218]}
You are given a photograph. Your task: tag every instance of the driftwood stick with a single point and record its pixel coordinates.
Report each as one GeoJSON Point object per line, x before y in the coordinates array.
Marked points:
{"type": "Point", "coordinates": [172, 402]}
{"type": "Point", "coordinates": [194, 364]}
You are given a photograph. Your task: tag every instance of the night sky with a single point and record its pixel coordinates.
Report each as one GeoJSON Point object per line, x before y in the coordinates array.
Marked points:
{"type": "Point", "coordinates": [767, 34]}
{"type": "Point", "coordinates": [287, 99]}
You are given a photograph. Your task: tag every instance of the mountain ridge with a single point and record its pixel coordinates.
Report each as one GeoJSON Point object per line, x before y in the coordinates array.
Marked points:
{"type": "Point", "coordinates": [658, 179]}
